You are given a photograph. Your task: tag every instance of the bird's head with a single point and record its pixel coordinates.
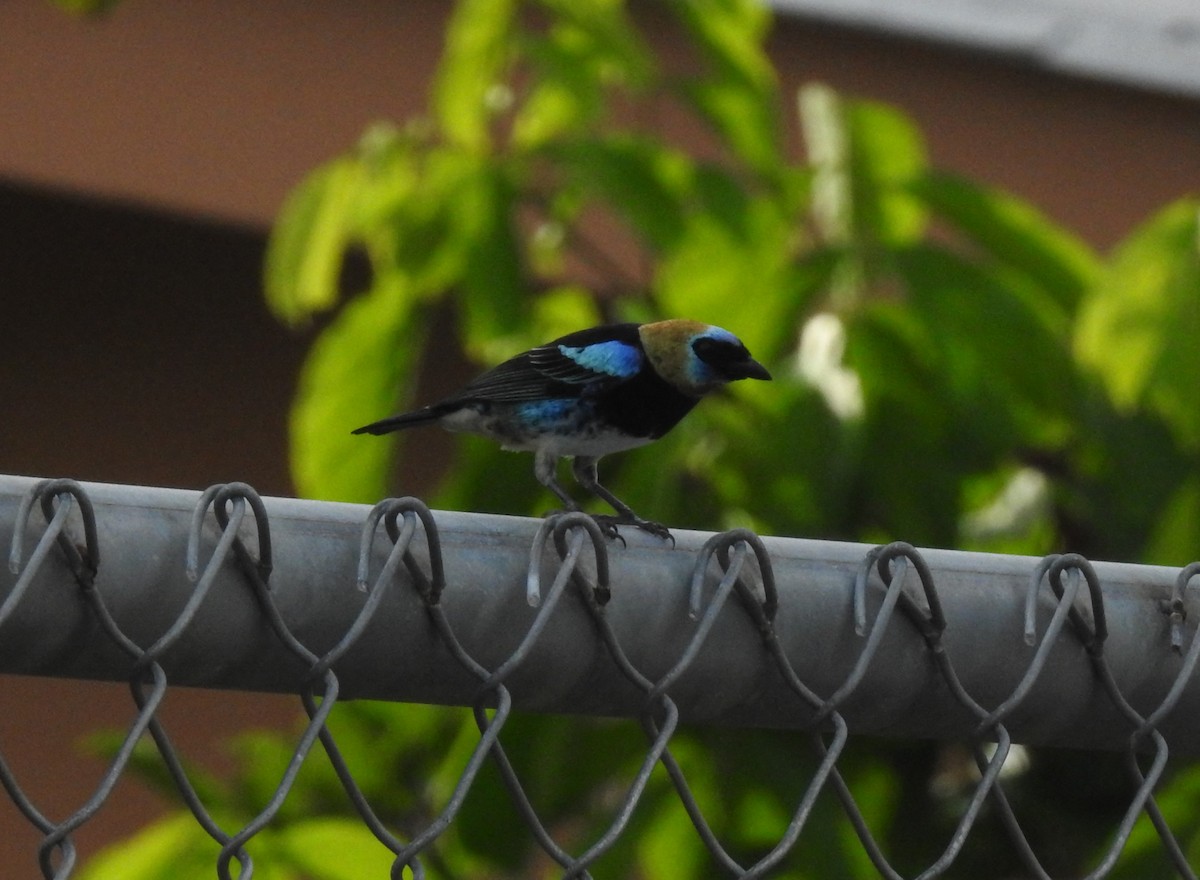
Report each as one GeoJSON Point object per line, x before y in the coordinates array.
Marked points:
{"type": "Point", "coordinates": [697, 358]}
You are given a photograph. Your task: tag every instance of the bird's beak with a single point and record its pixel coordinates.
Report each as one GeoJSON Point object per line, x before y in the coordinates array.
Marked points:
{"type": "Point", "coordinates": [748, 369]}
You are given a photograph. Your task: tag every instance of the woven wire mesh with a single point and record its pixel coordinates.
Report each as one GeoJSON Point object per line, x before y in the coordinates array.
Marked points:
{"type": "Point", "coordinates": [732, 574]}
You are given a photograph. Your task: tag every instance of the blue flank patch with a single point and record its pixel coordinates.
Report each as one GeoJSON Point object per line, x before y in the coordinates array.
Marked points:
{"type": "Point", "coordinates": [555, 414]}
{"type": "Point", "coordinates": [610, 358]}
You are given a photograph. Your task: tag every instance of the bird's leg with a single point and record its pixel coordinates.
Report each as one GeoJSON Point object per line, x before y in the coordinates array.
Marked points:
{"type": "Point", "coordinates": [584, 469]}
{"type": "Point", "coordinates": [545, 469]}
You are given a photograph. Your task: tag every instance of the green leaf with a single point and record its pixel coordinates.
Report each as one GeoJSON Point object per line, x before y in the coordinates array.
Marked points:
{"type": "Point", "coordinates": [876, 791]}
{"type": "Point", "coordinates": [895, 356]}
{"type": "Point", "coordinates": [494, 295]}
{"type": "Point", "coordinates": [600, 33]}
{"type": "Point", "coordinates": [995, 350]}
{"type": "Point", "coordinates": [354, 375]}
{"type": "Point", "coordinates": [716, 269]}
{"type": "Point", "coordinates": [556, 106]}
{"type": "Point", "coordinates": [746, 118]}
{"type": "Point", "coordinates": [644, 181]}
{"type": "Point", "coordinates": [561, 311]}
{"type": "Point", "coordinates": [309, 240]}
{"type": "Point", "coordinates": [668, 847]}
{"type": "Point", "coordinates": [1138, 328]}
{"type": "Point", "coordinates": [1014, 233]}
{"type": "Point", "coordinates": [333, 849]}
{"type": "Point", "coordinates": [488, 479]}
{"type": "Point", "coordinates": [586, 49]}
{"type": "Point", "coordinates": [865, 157]}
{"type": "Point", "coordinates": [469, 88]}
{"type": "Point", "coordinates": [731, 33]}
{"type": "Point", "coordinates": [1128, 473]}
{"type": "Point", "coordinates": [738, 95]}
{"type": "Point", "coordinates": [1176, 533]}
{"type": "Point", "coordinates": [175, 848]}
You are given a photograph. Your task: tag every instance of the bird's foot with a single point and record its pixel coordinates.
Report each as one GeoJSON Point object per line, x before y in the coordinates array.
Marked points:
{"type": "Point", "coordinates": [606, 524]}
{"type": "Point", "coordinates": [609, 523]}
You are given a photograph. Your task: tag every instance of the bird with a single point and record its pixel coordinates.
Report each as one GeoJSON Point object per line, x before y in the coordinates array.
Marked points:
{"type": "Point", "coordinates": [590, 393]}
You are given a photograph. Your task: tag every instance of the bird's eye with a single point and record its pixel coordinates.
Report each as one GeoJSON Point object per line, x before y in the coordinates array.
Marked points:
{"type": "Point", "coordinates": [717, 352]}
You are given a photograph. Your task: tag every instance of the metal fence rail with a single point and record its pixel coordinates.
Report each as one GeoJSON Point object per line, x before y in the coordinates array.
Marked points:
{"type": "Point", "coordinates": [334, 601]}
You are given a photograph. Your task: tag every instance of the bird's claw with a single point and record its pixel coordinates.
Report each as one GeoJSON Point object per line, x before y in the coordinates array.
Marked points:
{"type": "Point", "coordinates": [608, 524]}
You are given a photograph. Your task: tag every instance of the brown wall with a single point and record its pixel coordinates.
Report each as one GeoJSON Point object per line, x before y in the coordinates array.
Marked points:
{"type": "Point", "coordinates": [136, 347]}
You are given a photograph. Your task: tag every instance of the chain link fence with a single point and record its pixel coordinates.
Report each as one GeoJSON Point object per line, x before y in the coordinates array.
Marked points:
{"type": "Point", "coordinates": [331, 601]}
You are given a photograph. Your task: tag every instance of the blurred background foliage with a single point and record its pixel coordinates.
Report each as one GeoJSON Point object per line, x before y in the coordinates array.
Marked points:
{"type": "Point", "coordinates": [952, 368]}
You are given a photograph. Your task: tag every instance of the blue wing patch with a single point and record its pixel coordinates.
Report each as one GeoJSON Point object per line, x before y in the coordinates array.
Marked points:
{"type": "Point", "coordinates": [543, 372]}
{"type": "Point", "coordinates": [616, 359]}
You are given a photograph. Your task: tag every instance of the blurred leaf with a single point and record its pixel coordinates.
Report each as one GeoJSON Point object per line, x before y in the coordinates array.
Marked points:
{"type": "Point", "coordinates": [782, 458]}
{"type": "Point", "coordinates": [715, 271]}
{"type": "Point", "coordinates": [431, 235]}
{"type": "Point", "coordinates": [334, 849]}
{"type": "Point", "coordinates": [601, 32]}
{"type": "Point", "coordinates": [561, 311]}
{"type": "Point", "coordinates": [1138, 328]}
{"type": "Point", "coordinates": [887, 152]}
{"type": "Point", "coordinates": [175, 848]}
{"type": "Point", "coordinates": [667, 847]}
{"type": "Point", "coordinates": [739, 95]}
{"type": "Point", "coordinates": [1176, 532]}
{"type": "Point", "coordinates": [355, 373]}
{"type": "Point", "coordinates": [731, 33]}
{"type": "Point", "coordinates": [495, 294]}
{"type": "Point", "coordinates": [309, 240]}
{"type": "Point", "coordinates": [895, 356]}
{"type": "Point", "coordinates": [1125, 471]}
{"type": "Point", "coordinates": [587, 48]}
{"type": "Point", "coordinates": [1008, 511]}
{"type": "Point", "coordinates": [263, 757]}
{"type": "Point", "coordinates": [875, 790]}
{"type": "Point", "coordinates": [469, 89]}
{"type": "Point", "coordinates": [865, 157]}
{"type": "Point", "coordinates": [1015, 233]}
{"type": "Point", "coordinates": [642, 180]}
{"type": "Point", "coordinates": [488, 479]}
{"type": "Point", "coordinates": [558, 105]}
{"type": "Point", "coordinates": [977, 324]}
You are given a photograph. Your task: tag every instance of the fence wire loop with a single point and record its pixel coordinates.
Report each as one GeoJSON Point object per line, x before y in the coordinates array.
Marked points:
{"type": "Point", "coordinates": [1094, 632]}
{"type": "Point", "coordinates": [56, 498]}
{"type": "Point", "coordinates": [764, 602]}
{"type": "Point", "coordinates": [1175, 607]}
{"type": "Point", "coordinates": [229, 495]}
{"type": "Point", "coordinates": [568, 525]}
{"type": "Point", "coordinates": [228, 501]}
{"type": "Point", "coordinates": [413, 510]}
{"type": "Point", "coordinates": [1031, 594]}
{"type": "Point", "coordinates": [930, 620]}
{"type": "Point", "coordinates": [561, 526]}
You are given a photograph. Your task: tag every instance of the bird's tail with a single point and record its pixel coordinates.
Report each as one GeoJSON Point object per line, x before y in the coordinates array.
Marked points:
{"type": "Point", "coordinates": [404, 420]}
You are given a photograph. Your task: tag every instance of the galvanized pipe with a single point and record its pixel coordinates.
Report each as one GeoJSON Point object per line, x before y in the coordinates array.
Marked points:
{"type": "Point", "coordinates": [142, 536]}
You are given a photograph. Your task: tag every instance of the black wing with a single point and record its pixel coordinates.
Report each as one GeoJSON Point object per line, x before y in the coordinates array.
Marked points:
{"type": "Point", "coordinates": [578, 363]}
